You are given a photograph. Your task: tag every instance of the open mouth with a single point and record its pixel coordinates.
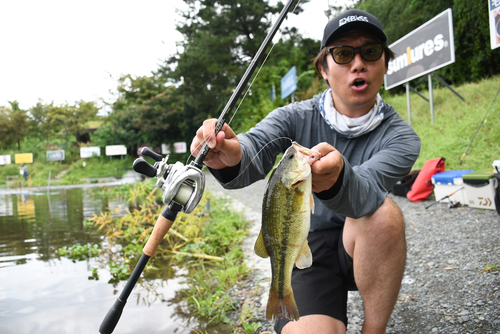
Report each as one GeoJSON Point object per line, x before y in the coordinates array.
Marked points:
{"type": "Point", "coordinates": [359, 82]}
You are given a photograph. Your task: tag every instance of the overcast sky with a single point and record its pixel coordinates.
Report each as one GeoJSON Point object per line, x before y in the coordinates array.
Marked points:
{"type": "Point", "coordinates": [65, 51]}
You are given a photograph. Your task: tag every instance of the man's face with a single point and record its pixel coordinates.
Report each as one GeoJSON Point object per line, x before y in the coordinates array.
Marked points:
{"type": "Point", "coordinates": [355, 85]}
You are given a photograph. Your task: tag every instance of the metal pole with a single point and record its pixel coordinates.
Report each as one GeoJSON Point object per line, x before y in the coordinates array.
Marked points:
{"type": "Point", "coordinates": [431, 98]}
{"type": "Point", "coordinates": [408, 102]}
{"type": "Point", "coordinates": [418, 93]}
{"type": "Point", "coordinates": [448, 86]}
{"type": "Point", "coordinates": [48, 188]}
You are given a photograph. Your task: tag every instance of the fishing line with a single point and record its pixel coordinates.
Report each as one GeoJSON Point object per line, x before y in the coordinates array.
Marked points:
{"type": "Point", "coordinates": [257, 74]}
{"type": "Point", "coordinates": [256, 155]}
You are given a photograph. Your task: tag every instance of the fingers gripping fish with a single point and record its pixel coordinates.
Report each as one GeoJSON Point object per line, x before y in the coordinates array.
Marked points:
{"type": "Point", "coordinates": [286, 212]}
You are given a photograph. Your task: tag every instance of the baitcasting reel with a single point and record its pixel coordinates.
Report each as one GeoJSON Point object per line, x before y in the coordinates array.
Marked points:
{"type": "Point", "coordinates": [182, 186]}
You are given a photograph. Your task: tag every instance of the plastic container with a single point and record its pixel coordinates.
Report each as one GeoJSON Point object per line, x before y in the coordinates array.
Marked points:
{"type": "Point", "coordinates": [481, 187]}
{"type": "Point", "coordinates": [450, 183]}
{"type": "Point", "coordinates": [496, 165]}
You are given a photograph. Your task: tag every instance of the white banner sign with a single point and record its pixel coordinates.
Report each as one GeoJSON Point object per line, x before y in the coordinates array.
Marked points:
{"type": "Point", "coordinates": [116, 150]}
{"type": "Point", "coordinates": [165, 149]}
{"type": "Point", "coordinates": [5, 159]}
{"type": "Point", "coordinates": [180, 147]}
{"type": "Point", "coordinates": [89, 152]}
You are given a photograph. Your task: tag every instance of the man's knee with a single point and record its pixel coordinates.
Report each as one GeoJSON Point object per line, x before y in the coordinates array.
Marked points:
{"type": "Point", "coordinates": [385, 226]}
{"type": "Point", "coordinates": [388, 219]}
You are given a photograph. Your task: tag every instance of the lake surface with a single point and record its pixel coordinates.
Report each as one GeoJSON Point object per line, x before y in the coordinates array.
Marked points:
{"type": "Point", "coordinates": [41, 292]}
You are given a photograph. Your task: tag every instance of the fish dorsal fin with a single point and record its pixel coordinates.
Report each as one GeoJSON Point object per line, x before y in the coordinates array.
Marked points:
{"type": "Point", "coordinates": [304, 260]}
{"type": "Point", "coordinates": [312, 203]}
{"type": "Point", "coordinates": [260, 248]}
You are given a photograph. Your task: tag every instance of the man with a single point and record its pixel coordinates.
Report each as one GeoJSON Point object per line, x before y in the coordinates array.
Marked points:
{"type": "Point", "coordinates": [357, 234]}
{"type": "Point", "coordinates": [24, 171]}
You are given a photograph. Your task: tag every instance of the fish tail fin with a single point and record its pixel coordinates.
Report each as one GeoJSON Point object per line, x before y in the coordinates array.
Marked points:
{"type": "Point", "coordinates": [282, 308]}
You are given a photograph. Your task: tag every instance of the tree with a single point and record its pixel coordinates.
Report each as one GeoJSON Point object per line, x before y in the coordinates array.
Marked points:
{"type": "Point", "coordinates": [42, 119]}
{"type": "Point", "coordinates": [73, 119]}
{"type": "Point", "coordinates": [221, 37]}
{"type": "Point", "coordinates": [147, 112]}
{"type": "Point", "coordinates": [13, 125]}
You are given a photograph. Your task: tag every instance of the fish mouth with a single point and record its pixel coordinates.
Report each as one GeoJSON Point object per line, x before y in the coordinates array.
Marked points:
{"type": "Point", "coordinates": [297, 183]}
{"type": "Point", "coordinates": [307, 154]}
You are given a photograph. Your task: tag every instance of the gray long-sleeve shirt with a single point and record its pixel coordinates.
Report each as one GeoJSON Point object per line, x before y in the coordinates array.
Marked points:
{"type": "Point", "coordinates": [374, 162]}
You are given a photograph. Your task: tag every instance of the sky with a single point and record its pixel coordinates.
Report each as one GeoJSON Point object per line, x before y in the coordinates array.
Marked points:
{"type": "Point", "coordinates": [64, 51]}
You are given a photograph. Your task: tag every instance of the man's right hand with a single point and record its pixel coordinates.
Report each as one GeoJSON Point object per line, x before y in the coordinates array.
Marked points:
{"type": "Point", "coordinates": [225, 149]}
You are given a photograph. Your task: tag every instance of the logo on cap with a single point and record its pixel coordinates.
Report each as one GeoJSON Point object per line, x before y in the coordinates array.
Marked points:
{"type": "Point", "coordinates": [352, 18]}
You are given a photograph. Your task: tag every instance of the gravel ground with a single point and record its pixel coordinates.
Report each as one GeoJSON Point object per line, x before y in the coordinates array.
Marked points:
{"type": "Point", "coordinates": [445, 289]}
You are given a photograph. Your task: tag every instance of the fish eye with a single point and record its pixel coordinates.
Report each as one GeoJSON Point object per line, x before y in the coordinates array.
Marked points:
{"type": "Point", "coordinates": [290, 156]}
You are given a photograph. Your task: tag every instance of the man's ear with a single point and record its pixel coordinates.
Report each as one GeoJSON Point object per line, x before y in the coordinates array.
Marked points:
{"type": "Point", "coordinates": [324, 72]}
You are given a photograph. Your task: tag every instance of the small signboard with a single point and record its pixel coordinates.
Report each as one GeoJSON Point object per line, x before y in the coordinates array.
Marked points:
{"type": "Point", "coordinates": [494, 10]}
{"type": "Point", "coordinates": [165, 149]}
{"type": "Point", "coordinates": [424, 50]}
{"type": "Point", "coordinates": [5, 159]}
{"type": "Point", "coordinates": [89, 152]}
{"type": "Point", "coordinates": [23, 158]}
{"type": "Point", "coordinates": [116, 150]}
{"type": "Point", "coordinates": [289, 83]}
{"type": "Point", "coordinates": [55, 155]}
{"type": "Point", "coordinates": [180, 147]}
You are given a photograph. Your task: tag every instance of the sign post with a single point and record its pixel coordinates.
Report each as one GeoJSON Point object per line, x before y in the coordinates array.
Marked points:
{"type": "Point", "coordinates": [90, 151]}
{"type": "Point", "coordinates": [289, 83]}
{"type": "Point", "coordinates": [112, 150]}
{"type": "Point", "coordinates": [55, 155]}
{"type": "Point", "coordinates": [424, 50]}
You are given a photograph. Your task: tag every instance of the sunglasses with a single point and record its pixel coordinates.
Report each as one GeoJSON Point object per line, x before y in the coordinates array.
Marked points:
{"type": "Point", "coordinates": [345, 54]}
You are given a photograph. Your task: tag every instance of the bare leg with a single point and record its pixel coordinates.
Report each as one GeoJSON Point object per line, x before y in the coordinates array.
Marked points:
{"type": "Point", "coordinates": [377, 246]}
{"type": "Point", "coordinates": [315, 324]}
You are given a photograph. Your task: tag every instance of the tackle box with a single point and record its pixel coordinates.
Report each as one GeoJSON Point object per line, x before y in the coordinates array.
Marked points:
{"type": "Point", "coordinates": [481, 187]}
{"type": "Point", "coordinates": [450, 182]}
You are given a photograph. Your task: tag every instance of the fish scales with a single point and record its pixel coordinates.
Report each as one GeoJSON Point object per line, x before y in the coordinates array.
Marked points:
{"type": "Point", "coordinates": [287, 206]}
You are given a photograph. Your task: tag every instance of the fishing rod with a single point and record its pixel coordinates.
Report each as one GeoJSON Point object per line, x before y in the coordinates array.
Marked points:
{"type": "Point", "coordinates": [473, 137]}
{"type": "Point", "coordinates": [445, 197]}
{"type": "Point", "coordinates": [182, 186]}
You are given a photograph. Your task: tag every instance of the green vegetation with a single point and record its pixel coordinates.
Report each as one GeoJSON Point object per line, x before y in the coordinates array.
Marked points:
{"type": "Point", "coordinates": [65, 172]}
{"type": "Point", "coordinates": [489, 268]}
{"type": "Point", "coordinates": [79, 252]}
{"type": "Point", "coordinates": [207, 242]}
{"type": "Point", "coordinates": [455, 123]}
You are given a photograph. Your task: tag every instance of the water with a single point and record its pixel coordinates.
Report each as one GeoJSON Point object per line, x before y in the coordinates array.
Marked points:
{"type": "Point", "coordinates": [41, 292]}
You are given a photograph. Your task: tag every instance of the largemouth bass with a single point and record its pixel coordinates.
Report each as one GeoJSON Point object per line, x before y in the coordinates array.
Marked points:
{"type": "Point", "coordinates": [286, 212]}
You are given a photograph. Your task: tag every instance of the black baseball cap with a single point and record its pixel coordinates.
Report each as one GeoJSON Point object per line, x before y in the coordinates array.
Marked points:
{"type": "Point", "coordinates": [351, 20]}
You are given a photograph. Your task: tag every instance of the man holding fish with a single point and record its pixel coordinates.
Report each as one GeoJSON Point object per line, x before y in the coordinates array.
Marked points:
{"type": "Point", "coordinates": [356, 148]}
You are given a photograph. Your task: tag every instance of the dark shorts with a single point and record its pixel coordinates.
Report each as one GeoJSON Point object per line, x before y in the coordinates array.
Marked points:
{"type": "Point", "coordinates": [322, 288]}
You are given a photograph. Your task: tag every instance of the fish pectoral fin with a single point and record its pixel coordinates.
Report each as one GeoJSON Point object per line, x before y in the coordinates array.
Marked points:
{"type": "Point", "coordinates": [260, 248]}
{"type": "Point", "coordinates": [312, 203]}
{"type": "Point", "coordinates": [304, 260]}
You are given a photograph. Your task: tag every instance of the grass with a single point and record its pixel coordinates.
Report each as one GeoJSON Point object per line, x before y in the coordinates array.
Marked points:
{"type": "Point", "coordinates": [206, 242]}
{"type": "Point", "coordinates": [74, 172]}
{"type": "Point", "coordinates": [455, 123]}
